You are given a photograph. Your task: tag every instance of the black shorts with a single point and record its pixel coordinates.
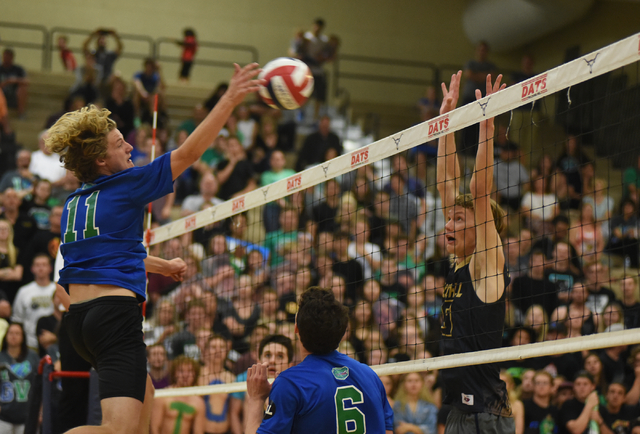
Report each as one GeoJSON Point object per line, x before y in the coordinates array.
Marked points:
{"type": "Point", "coordinates": [186, 69]}
{"type": "Point", "coordinates": [459, 422]}
{"type": "Point", "coordinates": [319, 88]}
{"type": "Point", "coordinates": [107, 332]}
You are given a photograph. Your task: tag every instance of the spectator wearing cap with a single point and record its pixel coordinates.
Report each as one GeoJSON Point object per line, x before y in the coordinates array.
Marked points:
{"type": "Point", "coordinates": [510, 176]}
{"type": "Point", "coordinates": [564, 393]}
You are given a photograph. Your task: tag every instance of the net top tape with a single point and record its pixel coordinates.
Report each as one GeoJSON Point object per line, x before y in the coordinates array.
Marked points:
{"type": "Point", "coordinates": [596, 63]}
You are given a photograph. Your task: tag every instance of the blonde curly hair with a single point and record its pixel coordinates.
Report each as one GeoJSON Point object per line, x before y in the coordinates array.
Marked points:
{"type": "Point", "coordinates": [80, 138]}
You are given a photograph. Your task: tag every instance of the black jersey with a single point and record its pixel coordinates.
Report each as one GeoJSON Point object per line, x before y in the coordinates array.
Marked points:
{"type": "Point", "coordinates": [469, 324]}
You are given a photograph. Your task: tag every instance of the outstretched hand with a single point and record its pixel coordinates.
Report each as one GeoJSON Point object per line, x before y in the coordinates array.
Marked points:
{"type": "Point", "coordinates": [450, 97]}
{"type": "Point", "coordinates": [491, 89]}
{"type": "Point", "coordinates": [243, 82]}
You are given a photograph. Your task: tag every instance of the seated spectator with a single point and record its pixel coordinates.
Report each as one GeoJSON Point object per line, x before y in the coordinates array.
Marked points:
{"type": "Point", "coordinates": [413, 409]}
{"type": "Point", "coordinates": [206, 198]}
{"type": "Point", "coordinates": [45, 164]}
{"type": "Point", "coordinates": [13, 82]}
{"type": "Point", "coordinates": [624, 229]}
{"type": "Point", "coordinates": [569, 162]}
{"type": "Point", "coordinates": [177, 413]}
{"type": "Point", "coordinates": [579, 320]}
{"type": "Point", "coordinates": [613, 313]}
{"type": "Point", "coordinates": [593, 365]}
{"type": "Point", "coordinates": [247, 126]}
{"type": "Point", "coordinates": [596, 278]}
{"type": "Point", "coordinates": [315, 145]}
{"type": "Point", "coordinates": [214, 372]}
{"type": "Point", "coordinates": [241, 315]}
{"type": "Point", "coordinates": [613, 360]}
{"type": "Point", "coordinates": [546, 167]}
{"type": "Point", "coordinates": [601, 203]}
{"type": "Point", "coordinates": [288, 233]}
{"type": "Point", "coordinates": [586, 237]}
{"type": "Point", "coordinates": [576, 413]}
{"type": "Point", "coordinates": [38, 206]}
{"type": "Point", "coordinates": [20, 179]}
{"type": "Point", "coordinates": [72, 103]}
{"type": "Point", "coordinates": [539, 205]}
{"type": "Point", "coordinates": [403, 205]}
{"type": "Point", "coordinates": [158, 366]}
{"type": "Point", "coordinates": [189, 125]}
{"type": "Point", "coordinates": [10, 270]}
{"type": "Point", "coordinates": [616, 415]}
{"type": "Point", "coordinates": [47, 328]}
{"type": "Point", "coordinates": [215, 96]}
{"type": "Point", "coordinates": [24, 226]}
{"type": "Point", "coordinates": [517, 409]}
{"type": "Point", "coordinates": [235, 172]}
{"type": "Point", "coordinates": [630, 302]}
{"type": "Point", "coordinates": [345, 266]}
{"type": "Point", "coordinates": [561, 272]}
{"type": "Point", "coordinates": [163, 323]}
{"type": "Point", "coordinates": [533, 288]}
{"type": "Point", "coordinates": [14, 407]}
{"type": "Point", "coordinates": [120, 105]}
{"type": "Point", "coordinates": [559, 233]}
{"type": "Point", "coordinates": [539, 413]}
{"type": "Point", "coordinates": [88, 80]}
{"type": "Point", "coordinates": [147, 83]}
{"type": "Point", "coordinates": [277, 170]}
{"type": "Point", "coordinates": [560, 188]}
{"type": "Point", "coordinates": [66, 56]}
{"type": "Point", "coordinates": [537, 319]}
{"type": "Point", "coordinates": [433, 223]}
{"type": "Point", "coordinates": [196, 318]}
{"type": "Point", "coordinates": [631, 182]}
{"type": "Point", "coordinates": [105, 58]}
{"type": "Point", "coordinates": [509, 177]}
{"type": "Point", "coordinates": [362, 250]}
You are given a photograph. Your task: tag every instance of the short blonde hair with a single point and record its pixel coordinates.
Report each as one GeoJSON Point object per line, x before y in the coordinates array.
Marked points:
{"type": "Point", "coordinates": [466, 201]}
{"type": "Point", "coordinates": [80, 138]}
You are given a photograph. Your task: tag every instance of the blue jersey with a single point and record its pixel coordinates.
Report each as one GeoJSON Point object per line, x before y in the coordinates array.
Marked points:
{"type": "Point", "coordinates": [102, 227]}
{"type": "Point", "coordinates": [329, 393]}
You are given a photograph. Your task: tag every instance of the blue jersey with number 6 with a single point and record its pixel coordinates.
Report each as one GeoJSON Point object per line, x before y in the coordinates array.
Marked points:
{"type": "Point", "coordinates": [102, 227]}
{"type": "Point", "coordinates": [329, 393]}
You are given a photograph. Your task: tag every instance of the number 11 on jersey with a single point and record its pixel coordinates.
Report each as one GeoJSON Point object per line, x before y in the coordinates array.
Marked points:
{"type": "Point", "coordinates": [90, 228]}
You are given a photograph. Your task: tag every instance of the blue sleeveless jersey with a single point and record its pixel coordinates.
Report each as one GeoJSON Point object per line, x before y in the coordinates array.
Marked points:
{"type": "Point", "coordinates": [329, 393]}
{"type": "Point", "coordinates": [102, 227]}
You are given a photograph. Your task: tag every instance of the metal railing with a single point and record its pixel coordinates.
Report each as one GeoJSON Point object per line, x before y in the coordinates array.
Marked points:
{"type": "Point", "coordinates": [127, 54]}
{"type": "Point", "coordinates": [30, 45]}
{"type": "Point", "coordinates": [429, 70]}
{"type": "Point", "coordinates": [248, 49]}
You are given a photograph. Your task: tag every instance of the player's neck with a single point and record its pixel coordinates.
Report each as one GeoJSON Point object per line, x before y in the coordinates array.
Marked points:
{"type": "Point", "coordinates": [303, 352]}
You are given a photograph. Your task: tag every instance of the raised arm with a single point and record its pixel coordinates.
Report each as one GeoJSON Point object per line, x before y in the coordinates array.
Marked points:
{"type": "Point", "coordinates": [488, 259]}
{"type": "Point", "coordinates": [448, 166]}
{"type": "Point", "coordinates": [242, 83]}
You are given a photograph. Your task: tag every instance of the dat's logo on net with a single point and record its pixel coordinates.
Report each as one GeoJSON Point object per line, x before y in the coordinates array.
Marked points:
{"type": "Point", "coordinates": [238, 204]}
{"type": "Point", "coordinates": [294, 182]}
{"type": "Point", "coordinates": [190, 222]}
{"type": "Point", "coordinates": [535, 86]}
{"type": "Point", "coordinates": [359, 157]}
{"type": "Point", "coordinates": [438, 127]}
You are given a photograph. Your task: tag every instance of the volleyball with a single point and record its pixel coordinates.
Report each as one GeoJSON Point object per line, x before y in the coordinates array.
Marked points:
{"type": "Point", "coordinates": [289, 83]}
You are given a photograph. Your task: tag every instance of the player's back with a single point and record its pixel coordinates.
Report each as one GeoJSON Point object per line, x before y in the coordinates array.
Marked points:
{"type": "Point", "coordinates": [325, 394]}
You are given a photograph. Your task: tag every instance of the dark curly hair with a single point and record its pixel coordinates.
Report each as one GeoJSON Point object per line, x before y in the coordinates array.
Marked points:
{"type": "Point", "coordinates": [322, 320]}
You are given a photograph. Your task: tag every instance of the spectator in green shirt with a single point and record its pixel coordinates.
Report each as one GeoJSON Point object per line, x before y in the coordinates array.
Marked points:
{"type": "Point", "coordinates": [631, 180]}
{"type": "Point", "coordinates": [278, 171]}
{"type": "Point", "coordinates": [276, 240]}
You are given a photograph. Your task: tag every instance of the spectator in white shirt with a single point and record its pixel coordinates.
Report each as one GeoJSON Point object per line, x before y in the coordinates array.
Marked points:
{"type": "Point", "coordinates": [35, 300]}
{"type": "Point", "coordinates": [207, 197]}
{"type": "Point", "coordinates": [45, 164]}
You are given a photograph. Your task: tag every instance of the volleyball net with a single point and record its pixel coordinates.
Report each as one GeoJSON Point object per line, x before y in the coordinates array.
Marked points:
{"type": "Point", "coordinates": [369, 225]}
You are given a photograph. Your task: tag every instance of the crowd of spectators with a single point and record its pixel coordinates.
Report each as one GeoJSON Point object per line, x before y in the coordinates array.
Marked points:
{"type": "Point", "coordinates": [375, 240]}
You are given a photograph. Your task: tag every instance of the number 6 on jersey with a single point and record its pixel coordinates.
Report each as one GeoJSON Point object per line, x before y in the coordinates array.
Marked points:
{"type": "Point", "coordinates": [350, 420]}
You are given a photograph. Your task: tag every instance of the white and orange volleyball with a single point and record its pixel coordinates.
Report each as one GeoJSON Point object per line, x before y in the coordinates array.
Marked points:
{"type": "Point", "coordinates": [289, 83]}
